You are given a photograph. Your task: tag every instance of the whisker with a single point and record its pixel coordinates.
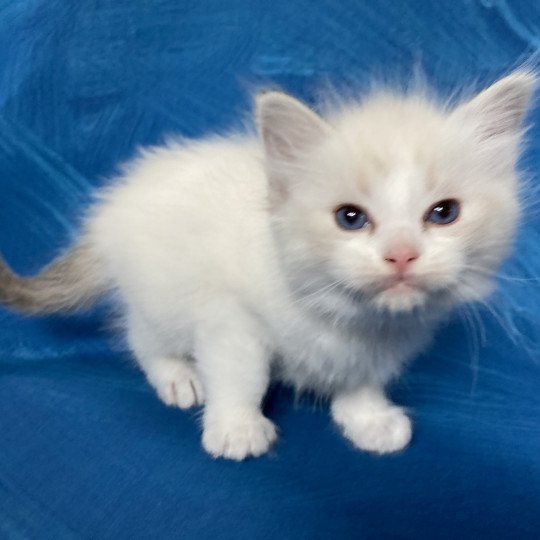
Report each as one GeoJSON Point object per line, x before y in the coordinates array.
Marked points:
{"type": "Point", "coordinates": [472, 343]}
{"type": "Point", "coordinates": [500, 275]}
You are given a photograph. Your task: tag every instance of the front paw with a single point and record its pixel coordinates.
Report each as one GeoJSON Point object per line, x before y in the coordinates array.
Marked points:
{"type": "Point", "coordinates": [177, 383]}
{"type": "Point", "coordinates": [238, 436]}
{"type": "Point", "coordinates": [379, 431]}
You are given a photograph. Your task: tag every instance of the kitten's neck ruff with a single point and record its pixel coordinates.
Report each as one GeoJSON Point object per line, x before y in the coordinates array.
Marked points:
{"type": "Point", "coordinates": [329, 340]}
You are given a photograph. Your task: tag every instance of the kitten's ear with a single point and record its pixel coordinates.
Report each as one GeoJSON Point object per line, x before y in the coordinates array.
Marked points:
{"type": "Point", "coordinates": [500, 108]}
{"type": "Point", "coordinates": [287, 127]}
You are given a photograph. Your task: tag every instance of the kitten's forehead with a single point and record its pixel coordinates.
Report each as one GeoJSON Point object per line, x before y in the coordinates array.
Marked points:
{"type": "Point", "coordinates": [400, 173]}
{"type": "Point", "coordinates": [401, 193]}
{"type": "Point", "coordinates": [398, 143]}
{"type": "Point", "coordinates": [411, 119]}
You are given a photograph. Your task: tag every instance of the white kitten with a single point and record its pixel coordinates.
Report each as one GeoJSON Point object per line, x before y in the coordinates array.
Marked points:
{"type": "Point", "coordinates": [323, 252]}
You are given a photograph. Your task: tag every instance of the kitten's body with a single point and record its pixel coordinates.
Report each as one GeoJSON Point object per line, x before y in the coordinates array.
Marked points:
{"type": "Point", "coordinates": [220, 223]}
{"type": "Point", "coordinates": [226, 251]}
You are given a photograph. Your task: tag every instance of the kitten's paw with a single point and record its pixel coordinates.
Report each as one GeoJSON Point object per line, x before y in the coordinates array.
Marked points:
{"type": "Point", "coordinates": [177, 384]}
{"type": "Point", "coordinates": [383, 431]}
{"type": "Point", "coordinates": [238, 436]}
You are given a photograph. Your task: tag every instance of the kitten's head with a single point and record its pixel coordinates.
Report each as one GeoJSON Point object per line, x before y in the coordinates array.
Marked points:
{"type": "Point", "coordinates": [395, 202]}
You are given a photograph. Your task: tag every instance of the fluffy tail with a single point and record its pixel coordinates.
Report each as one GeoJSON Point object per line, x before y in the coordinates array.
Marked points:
{"type": "Point", "coordinates": [72, 282]}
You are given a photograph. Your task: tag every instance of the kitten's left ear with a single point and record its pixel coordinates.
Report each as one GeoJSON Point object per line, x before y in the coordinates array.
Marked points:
{"type": "Point", "coordinates": [288, 128]}
{"type": "Point", "coordinates": [499, 110]}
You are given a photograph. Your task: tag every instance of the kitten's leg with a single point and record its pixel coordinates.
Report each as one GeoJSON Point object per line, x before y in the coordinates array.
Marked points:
{"type": "Point", "coordinates": [174, 377]}
{"type": "Point", "coordinates": [371, 421]}
{"type": "Point", "coordinates": [234, 365]}
{"type": "Point", "coordinates": [175, 380]}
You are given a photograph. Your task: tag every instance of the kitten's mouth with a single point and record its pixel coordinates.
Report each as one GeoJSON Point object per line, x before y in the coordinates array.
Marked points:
{"type": "Point", "coordinates": [401, 284]}
{"type": "Point", "coordinates": [393, 293]}
{"type": "Point", "coordinates": [402, 287]}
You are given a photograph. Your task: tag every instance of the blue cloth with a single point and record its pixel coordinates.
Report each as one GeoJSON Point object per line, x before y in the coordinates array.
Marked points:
{"type": "Point", "coordinates": [86, 448]}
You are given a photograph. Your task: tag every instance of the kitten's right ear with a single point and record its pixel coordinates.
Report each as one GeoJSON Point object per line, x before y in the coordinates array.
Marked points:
{"type": "Point", "coordinates": [289, 130]}
{"type": "Point", "coordinates": [288, 127]}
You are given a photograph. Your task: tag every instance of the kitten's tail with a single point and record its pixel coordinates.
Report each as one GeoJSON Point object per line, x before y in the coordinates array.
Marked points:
{"type": "Point", "coordinates": [72, 282]}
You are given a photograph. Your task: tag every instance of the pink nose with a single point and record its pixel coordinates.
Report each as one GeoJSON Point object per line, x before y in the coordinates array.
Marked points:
{"type": "Point", "coordinates": [401, 256]}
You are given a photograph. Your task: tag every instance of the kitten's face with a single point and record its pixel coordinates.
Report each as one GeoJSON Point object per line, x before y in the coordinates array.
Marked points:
{"type": "Point", "coordinates": [372, 227]}
{"type": "Point", "coordinates": [398, 204]}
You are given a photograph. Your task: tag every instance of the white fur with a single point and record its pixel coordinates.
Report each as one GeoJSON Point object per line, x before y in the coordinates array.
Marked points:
{"type": "Point", "coordinates": [230, 266]}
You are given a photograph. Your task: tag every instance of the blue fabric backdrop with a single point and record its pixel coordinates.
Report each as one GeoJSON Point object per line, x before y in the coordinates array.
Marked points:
{"type": "Point", "coordinates": [86, 449]}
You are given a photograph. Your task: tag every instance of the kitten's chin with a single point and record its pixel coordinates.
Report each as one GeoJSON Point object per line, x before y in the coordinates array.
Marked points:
{"type": "Point", "coordinates": [400, 298]}
{"type": "Point", "coordinates": [403, 296]}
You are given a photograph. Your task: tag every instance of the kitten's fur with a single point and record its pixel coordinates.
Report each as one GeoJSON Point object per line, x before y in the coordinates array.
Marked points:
{"type": "Point", "coordinates": [230, 266]}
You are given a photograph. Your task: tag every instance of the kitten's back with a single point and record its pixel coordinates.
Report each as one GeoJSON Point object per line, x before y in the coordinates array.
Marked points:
{"type": "Point", "coordinates": [192, 215]}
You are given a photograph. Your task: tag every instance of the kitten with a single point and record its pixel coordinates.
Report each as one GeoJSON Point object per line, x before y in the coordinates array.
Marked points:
{"type": "Point", "coordinates": [323, 253]}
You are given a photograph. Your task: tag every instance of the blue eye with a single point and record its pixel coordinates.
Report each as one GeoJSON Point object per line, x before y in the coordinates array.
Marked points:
{"type": "Point", "coordinates": [443, 213]}
{"type": "Point", "coordinates": [351, 218]}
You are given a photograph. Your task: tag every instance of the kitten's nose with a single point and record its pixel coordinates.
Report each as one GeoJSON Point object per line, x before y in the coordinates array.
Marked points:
{"type": "Point", "coordinates": [401, 256]}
